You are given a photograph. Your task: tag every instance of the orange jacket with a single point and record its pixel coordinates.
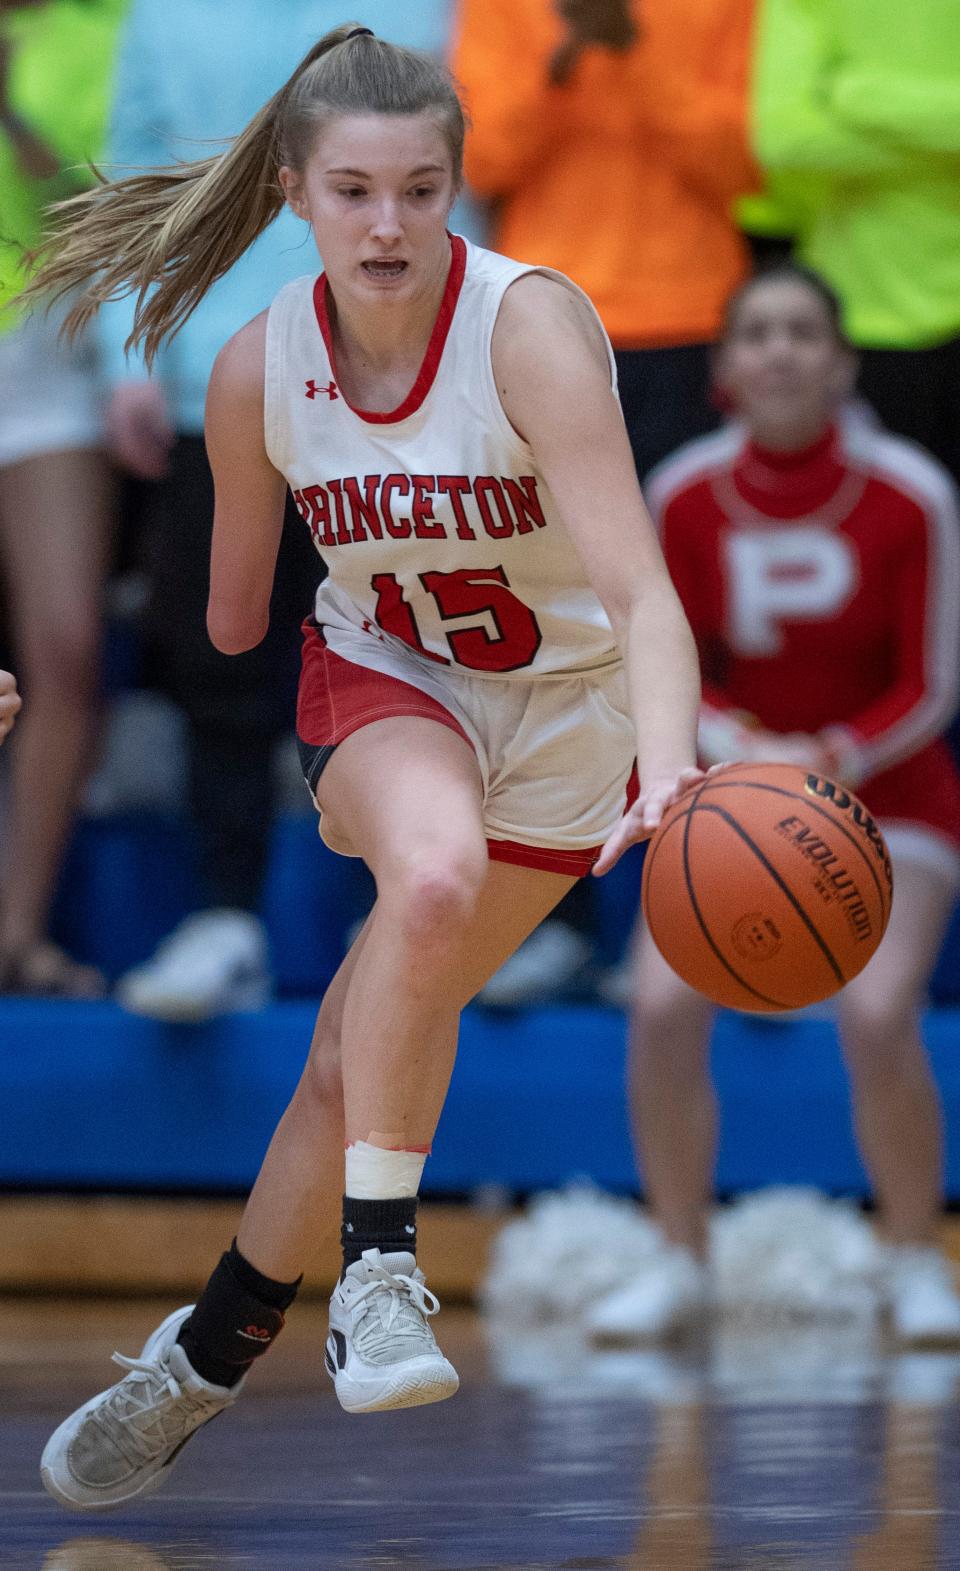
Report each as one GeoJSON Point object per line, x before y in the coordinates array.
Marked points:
{"type": "Point", "coordinates": [624, 177]}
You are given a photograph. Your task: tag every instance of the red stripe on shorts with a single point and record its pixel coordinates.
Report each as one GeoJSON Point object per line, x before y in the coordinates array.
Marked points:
{"type": "Point", "coordinates": [553, 859]}
{"type": "Point", "coordinates": [337, 697]}
{"type": "Point", "coordinates": [549, 859]}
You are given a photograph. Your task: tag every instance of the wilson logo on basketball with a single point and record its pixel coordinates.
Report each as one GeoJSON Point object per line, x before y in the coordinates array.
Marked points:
{"type": "Point", "coordinates": [829, 791]}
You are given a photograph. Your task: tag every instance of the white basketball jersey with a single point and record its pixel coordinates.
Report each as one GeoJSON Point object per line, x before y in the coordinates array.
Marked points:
{"type": "Point", "coordinates": [434, 522]}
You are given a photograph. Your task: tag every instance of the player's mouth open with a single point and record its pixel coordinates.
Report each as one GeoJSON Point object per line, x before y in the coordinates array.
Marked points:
{"type": "Point", "coordinates": [385, 267]}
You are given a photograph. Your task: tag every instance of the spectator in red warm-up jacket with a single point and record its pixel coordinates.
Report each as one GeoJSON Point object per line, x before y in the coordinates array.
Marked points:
{"type": "Point", "coordinates": [818, 561]}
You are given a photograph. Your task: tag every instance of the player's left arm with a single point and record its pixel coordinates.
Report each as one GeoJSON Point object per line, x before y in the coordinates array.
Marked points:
{"type": "Point", "coordinates": [553, 377]}
{"type": "Point", "coordinates": [248, 510]}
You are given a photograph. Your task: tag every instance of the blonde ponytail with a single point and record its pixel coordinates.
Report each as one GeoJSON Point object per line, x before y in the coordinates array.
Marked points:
{"type": "Point", "coordinates": [167, 235]}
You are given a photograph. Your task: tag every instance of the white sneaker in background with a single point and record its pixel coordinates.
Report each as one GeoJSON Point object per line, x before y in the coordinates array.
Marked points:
{"type": "Point", "coordinates": [668, 1298]}
{"type": "Point", "coordinates": [123, 1442]}
{"type": "Point", "coordinates": [381, 1352]}
{"type": "Point", "coordinates": [547, 963]}
{"type": "Point", "coordinates": [920, 1296]}
{"type": "Point", "coordinates": [213, 962]}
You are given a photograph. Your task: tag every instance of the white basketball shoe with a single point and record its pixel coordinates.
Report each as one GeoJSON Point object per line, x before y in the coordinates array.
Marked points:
{"type": "Point", "coordinates": [123, 1442]}
{"type": "Point", "coordinates": [921, 1297]}
{"type": "Point", "coordinates": [381, 1352]}
{"type": "Point", "coordinates": [670, 1297]}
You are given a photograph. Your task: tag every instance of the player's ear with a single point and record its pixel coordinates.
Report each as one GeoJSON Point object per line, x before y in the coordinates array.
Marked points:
{"type": "Point", "coordinates": [292, 185]}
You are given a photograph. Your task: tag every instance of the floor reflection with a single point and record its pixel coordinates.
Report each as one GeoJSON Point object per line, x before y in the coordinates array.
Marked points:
{"type": "Point", "coordinates": [759, 1449]}
{"type": "Point", "coordinates": [780, 1364]}
{"type": "Point", "coordinates": [110, 1554]}
{"type": "Point", "coordinates": [774, 1448]}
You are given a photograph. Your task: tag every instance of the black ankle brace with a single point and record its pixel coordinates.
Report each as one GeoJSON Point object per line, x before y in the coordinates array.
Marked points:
{"type": "Point", "coordinates": [239, 1314]}
{"type": "Point", "coordinates": [387, 1225]}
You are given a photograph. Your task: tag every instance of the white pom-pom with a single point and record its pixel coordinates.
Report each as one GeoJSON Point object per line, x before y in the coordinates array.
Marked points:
{"type": "Point", "coordinates": [569, 1247]}
{"type": "Point", "coordinates": [780, 1254]}
{"type": "Point", "coordinates": [794, 1254]}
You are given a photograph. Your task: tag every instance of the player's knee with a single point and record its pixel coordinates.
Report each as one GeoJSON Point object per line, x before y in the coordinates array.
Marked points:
{"type": "Point", "coordinates": [877, 1020]}
{"type": "Point", "coordinates": [434, 896]}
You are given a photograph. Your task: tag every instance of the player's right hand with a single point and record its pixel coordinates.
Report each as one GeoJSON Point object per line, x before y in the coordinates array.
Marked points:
{"type": "Point", "coordinates": [138, 428]}
{"type": "Point", "coordinates": [642, 818]}
{"type": "Point", "coordinates": [10, 702]}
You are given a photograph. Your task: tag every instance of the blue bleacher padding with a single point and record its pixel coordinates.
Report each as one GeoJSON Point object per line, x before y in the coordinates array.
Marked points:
{"type": "Point", "coordinates": [129, 879]}
{"type": "Point", "coordinates": [93, 1098]}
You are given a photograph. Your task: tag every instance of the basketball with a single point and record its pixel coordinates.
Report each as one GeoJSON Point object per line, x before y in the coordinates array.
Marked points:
{"type": "Point", "coordinates": [767, 887]}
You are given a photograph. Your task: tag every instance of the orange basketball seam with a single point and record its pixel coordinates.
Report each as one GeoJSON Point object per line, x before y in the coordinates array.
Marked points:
{"type": "Point", "coordinates": [652, 849]}
{"type": "Point", "coordinates": [782, 886]}
{"type": "Point", "coordinates": [648, 860]}
{"type": "Point", "coordinates": [775, 1003]}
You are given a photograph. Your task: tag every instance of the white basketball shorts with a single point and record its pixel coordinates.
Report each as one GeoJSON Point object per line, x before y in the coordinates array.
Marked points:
{"type": "Point", "coordinates": [556, 753]}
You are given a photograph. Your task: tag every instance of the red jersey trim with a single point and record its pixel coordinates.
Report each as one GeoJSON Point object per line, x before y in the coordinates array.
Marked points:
{"type": "Point", "coordinates": [431, 360]}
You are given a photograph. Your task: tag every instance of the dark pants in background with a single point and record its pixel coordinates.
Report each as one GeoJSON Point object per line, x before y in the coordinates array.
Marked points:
{"type": "Point", "coordinates": [666, 399]}
{"type": "Point", "coordinates": [916, 393]}
{"type": "Point", "coordinates": [237, 706]}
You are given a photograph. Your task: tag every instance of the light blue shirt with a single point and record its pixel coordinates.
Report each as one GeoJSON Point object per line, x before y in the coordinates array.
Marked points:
{"type": "Point", "coordinates": [192, 73]}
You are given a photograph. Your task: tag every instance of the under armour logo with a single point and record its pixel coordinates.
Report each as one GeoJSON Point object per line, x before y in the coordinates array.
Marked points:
{"type": "Point", "coordinates": [256, 1334]}
{"type": "Point", "coordinates": [313, 390]}
{"type": "Point", "coordinates": [408, 1229]}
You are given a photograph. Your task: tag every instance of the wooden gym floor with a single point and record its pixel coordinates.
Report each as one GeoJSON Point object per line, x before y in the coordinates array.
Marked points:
{"type": "Point", "coordinates": [753, 1452]}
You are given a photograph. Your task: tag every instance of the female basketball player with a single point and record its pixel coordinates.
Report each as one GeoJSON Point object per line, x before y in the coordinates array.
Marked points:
{"type": "Point", "coordinates": [9, 702]}
{"type": "Point", "coordinates": [447, 422]}
{"type": "Point", "coordinates": [818, 560]}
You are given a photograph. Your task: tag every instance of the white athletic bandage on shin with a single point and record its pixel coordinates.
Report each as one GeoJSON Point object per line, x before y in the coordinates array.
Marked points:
{"type": "Point", "coordinates": [374, 1173]}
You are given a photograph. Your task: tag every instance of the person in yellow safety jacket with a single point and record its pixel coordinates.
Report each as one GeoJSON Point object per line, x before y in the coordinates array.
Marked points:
{"type": "Point", "coordinates": [855, 121]}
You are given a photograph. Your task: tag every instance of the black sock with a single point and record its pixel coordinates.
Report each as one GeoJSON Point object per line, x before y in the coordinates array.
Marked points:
{"type": "Point", "coordinates": [387, 1225]}
{"type": "Point", "coordinates": [238, 1315]}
